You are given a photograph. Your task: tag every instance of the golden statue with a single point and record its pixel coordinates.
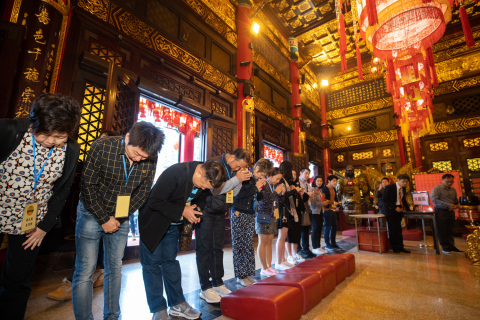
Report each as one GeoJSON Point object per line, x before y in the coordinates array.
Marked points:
{"type": "Point", "coordinates": [351, 190]}
{"type": "Point", "coordinates": [473, 251]}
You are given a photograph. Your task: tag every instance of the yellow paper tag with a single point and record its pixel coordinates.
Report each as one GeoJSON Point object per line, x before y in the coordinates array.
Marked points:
{"type": "Point", "coordinates": [30, 217]}
{"type": "Point", "coordinates": [123, 204]}
{"type": "Point", "coordinates": [296, 201]}
{"type": "Point", "coordinates": [277, 215]}
{"type": "Point", "coordinates": [230, 196]}
{"type": "Point", "coordinates": [188, 204]}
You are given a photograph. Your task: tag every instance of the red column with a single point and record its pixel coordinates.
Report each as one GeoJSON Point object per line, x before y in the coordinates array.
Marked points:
{"type": "Point", "coordinates": [416, 150]}
{"type": "Point", "coordinates": [401, 148]}
{"type": "Point", "coordinates": [189, 141]}
{"type": "Point", "coordinates": [244, 53]}
{"type": "Point", "coordinates": [326, 152]}
{"type": "Point", "coordinates": [296, 111]}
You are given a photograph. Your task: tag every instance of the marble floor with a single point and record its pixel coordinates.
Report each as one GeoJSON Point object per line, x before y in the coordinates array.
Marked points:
{"type": "Point", "coordinates": [420, 285]}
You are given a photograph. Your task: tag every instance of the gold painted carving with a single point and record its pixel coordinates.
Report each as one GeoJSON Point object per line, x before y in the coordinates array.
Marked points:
{"type": "Point", "coordinates": [269, 110]}
{"type": "Point", "coordinates": [133, 27]}
{"type": "Point", "coordinates": [271, 32]}
{"type": "Point", "coordinates": [455, 125]}
{"type": "Point", "coordinates": [317, 141]}
{"type": "Point", "coordinates": [224, 9]}
{"type": "Point", "coordinates": [268, 68]}
{"type": "Point", "coordinates": [206, 12]}
{"type": "Point", "coordinates": [364, 107]}
{"type": "Point", "coordinates": [98, 8]}
{"type": "Point", "coordinates": [473, 242]}
{"type": "Point", "coordinates": [15, 11]}
{"type": "Point", "coordinates": [456, 85]}
{"type": "Point", "coordinates": [376, 137]}
{"type": "Point", "coordinates": [458, 67]}
{"type": "Point", "coordinates": [58, 59]}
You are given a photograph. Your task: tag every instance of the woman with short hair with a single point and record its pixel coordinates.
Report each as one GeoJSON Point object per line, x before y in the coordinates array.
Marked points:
{"type": "Point", "coordinates": [38, 159]}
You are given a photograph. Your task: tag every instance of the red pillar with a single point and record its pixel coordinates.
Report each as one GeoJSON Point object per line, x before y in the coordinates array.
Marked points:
{"type": "Point", "coordinates": [189, 141]}
{"type": "Point", "coordinates": [296, 111]}
{"type": "Point", "coordinates": [326, 151]}
{"type": "Point", "coordinates": [401, 148]}
{"type": "Point", "coordinates": [416, 150]}
{"type": "Point", "coordinates": [244, 53]}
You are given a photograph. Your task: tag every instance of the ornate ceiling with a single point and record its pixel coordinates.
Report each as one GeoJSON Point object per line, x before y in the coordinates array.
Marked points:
{"type": "Point", "coordinates": [314, 24]}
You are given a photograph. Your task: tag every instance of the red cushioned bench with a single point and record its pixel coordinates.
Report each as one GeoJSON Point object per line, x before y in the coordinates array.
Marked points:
{"type": "Point", "coordinates": [325, 272]}
{"type": "Point", "coordinates": [348, 258]}
{"type": "Point", "coordinates": [337, 264]}
{"type": "Point", "coordinates": [309, 284]}
{"type": "Point", "coordinates": [263, 302]}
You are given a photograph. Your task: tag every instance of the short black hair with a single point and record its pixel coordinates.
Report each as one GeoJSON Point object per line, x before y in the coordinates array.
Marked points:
{"type": "Point", "coordinates": [403, 177]}
{"type": "Point", "coordinates": [147, 137]}
{"type": "Point", "coordinates": [109, 133]}
{"type": "Point", "coordinates": [275, 171]}
{"type": "Point", "coordinates": [385, 178]}
{"type": "Point", "coordinates": [54, 112]}
{"type": "Point", "coordinates": [287, 168]}
{"type": "Point", "coordinates": [331, 177]}
{"type": "Point", "coordinates": [242, 154]}
{"type": "Point", "coordinates": [304, 168]}
{"type": "Point", "coordinates": [447, 176]}
{"type": "Point", "coordinates": [264, 165]}
{"type": "Point", "coordinates": [214, 172]}
{"type": "Point", "coordinates": [314, 183]}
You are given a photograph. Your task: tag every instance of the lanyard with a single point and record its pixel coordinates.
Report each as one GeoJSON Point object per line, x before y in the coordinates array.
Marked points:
{"type": "Point", "coordinates": [35, 174]}
{"type": "Point", "coordinates": [125, 168]}
{"type": "Point", "coordinates": [271, 189]}
{"type": "Point", "coordinates": [226, 168]}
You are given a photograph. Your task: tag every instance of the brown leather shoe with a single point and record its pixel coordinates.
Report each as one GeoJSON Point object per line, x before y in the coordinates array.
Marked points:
{"type": "Point", "coordinates": [64, 293]}
{"type": "Point", "coordinates": [98, 280]}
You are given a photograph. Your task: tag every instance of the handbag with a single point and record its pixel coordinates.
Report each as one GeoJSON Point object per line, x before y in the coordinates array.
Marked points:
{"type": "Point", "coordinates": [186, 228]}
{"type": "Point", "coordinates": [305, 220]}
{"type": "Point", "coordinates": [262, 218]}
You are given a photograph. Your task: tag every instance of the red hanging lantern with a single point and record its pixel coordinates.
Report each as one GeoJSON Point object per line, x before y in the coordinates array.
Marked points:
{"type": "Point", "coordinates": [182, 126]}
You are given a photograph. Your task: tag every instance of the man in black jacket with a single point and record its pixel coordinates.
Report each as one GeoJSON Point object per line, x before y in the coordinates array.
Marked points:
{"type": "Point", "coordinates": [210, 233]}
{"type": "Point", "coordinates": [394, 204]}
{"type": "Point", "coordinates": [179, 191]}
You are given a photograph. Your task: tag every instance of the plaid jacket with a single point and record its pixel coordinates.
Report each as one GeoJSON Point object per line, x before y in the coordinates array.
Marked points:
{"type": "Point", "coordinates": [103, 179]}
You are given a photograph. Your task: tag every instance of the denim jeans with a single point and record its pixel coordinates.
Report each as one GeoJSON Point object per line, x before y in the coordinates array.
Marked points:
{"type": "Point", "coordinates": [161, 266]}
{"type": "Point", "coordinates": [16, 273]}
{"type": "Point", "coordinates": [330, 226]}
{"type": "Point", "coordinates": [87, 237]}
{"type": "Point", "coordinates": [317, 225]}
{"type": "Point", "coordinates": [209, 239]}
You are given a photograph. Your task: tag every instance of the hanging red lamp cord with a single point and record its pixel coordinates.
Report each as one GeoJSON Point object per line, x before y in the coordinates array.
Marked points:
{"type": "Point", "coordinates": [467, 31]}
{"type": "Point", "coordinates": [431, 62]}
{"type": "Point", "coordinates": [359, 61]}
{"type": "Point", "coordinates": [343, 41]}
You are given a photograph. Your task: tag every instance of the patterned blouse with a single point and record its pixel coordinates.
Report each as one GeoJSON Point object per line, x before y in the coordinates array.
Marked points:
{"type": "Point", "coordinates": [17, 182]}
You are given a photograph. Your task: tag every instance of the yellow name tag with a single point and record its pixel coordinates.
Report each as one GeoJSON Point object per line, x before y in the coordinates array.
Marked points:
{"type": "Point", "coordinates": [123, 204]}
{"type": "Point", "coordinates": [296, 201]}
{"type": "Point", "coordinates": [230, 196]}
{"type": "Point", "coordinates": [188, 204]}
{"type": "Point", "coordinates": [30, 217]}
{"type": "Point", "coordinates": [277, 215]}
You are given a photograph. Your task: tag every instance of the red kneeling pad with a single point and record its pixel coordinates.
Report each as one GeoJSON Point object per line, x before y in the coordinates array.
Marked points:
{"type": "Point", "coordinates": [371, 237]}
{"type": "Point", "coordinates": [337, 264]}
{"type": "Point", "coordinates": [263, 302]}
{"type": "Point", "coordinates": [326, 273]}
{"type": "Point", "coordinates": [309, 284]}
{"type": "Point", "coordinates": [348, 258]}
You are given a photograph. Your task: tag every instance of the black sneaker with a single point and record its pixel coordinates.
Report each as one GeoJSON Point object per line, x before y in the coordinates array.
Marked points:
{"type": "Point", "coordinates": [303, 254]}
{"type": "Point", "coordinates": [455, 249]}
{"type": "Point", "coordinates": [336, 247]}
{"type": "Point", "coordinates": [446, 251]}
{"type": "Point", "coordinates": [329, 247]}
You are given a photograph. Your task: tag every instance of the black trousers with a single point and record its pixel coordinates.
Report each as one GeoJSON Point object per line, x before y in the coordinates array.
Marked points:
{"type": "Point", "coordinates": [445, 220]}
{"type": "Point", "coordinates": [317, 226]}
{"type": "Point", "coordinates": [330, 227]}
{"type": "Point", "coordinates": [395, 230]}
{"type": "Point", "coordinates": [16, 273]}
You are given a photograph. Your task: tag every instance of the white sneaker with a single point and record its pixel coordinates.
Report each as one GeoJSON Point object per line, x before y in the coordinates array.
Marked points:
{"type": "Point", "coordinates": [298, 258]}
{"type": "Point", "coordinates": [244, 282]}
{"type": "Point", "coordinates": [288, 264]}
{"type": "Point", "coordinates": [221, 290]}
{"type": "Point", "coordinates": [317, 252]}
{"type": "Point", "coordinates": [210, 296]}
{"type": "Point", "coordinates": [292, 260]}
{"type": "Point", "coordinates": [280, 266]}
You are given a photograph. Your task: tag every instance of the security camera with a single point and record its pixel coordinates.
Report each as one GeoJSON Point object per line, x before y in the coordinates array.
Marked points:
{"type": "Point", "coordinates": [307, 122]}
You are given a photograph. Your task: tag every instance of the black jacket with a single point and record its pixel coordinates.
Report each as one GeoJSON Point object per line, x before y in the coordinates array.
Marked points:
{"type": "Point", "coordinates": [11, 134]}
{"type": "Point", "coordinates": [244, 201]}
{"type": "Point", "coordinates": [379, 196]}
{"type": "Point", "coordinates": [217, 204]}
{"type": "Point", "coordinates": [390, 199]}
{"type": "Point", "coordinates": [166, 202]}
